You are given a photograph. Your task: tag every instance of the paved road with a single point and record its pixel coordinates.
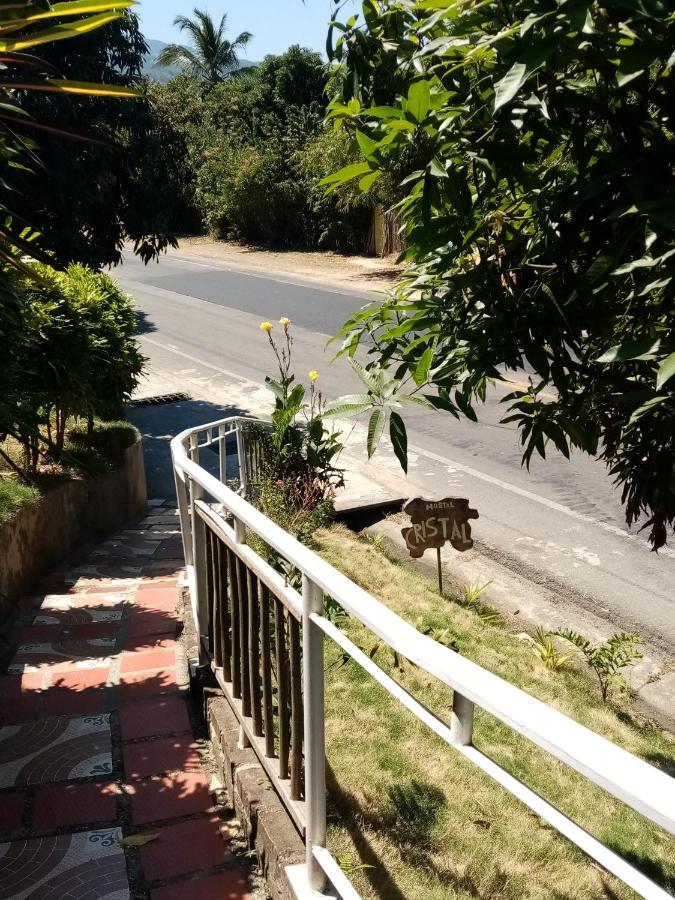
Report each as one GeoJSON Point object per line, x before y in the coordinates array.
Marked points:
{"type": "Point", "coordinates": [561, 525]}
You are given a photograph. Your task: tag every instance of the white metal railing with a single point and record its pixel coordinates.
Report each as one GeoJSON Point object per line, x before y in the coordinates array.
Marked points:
{"type": "Point", "coordinates": [637, 784]}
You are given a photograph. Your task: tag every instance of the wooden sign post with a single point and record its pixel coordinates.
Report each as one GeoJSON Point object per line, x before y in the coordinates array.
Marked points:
{"type": "Point", "coordinates": [435, 522]}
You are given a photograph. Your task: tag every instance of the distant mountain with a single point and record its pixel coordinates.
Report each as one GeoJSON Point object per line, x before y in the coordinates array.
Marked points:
{"type": "Point", "coordinates": [166, 73]}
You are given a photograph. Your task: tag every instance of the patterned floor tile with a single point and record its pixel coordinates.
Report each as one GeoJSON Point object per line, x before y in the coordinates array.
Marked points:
{"type": "Point", "coordinates": [85, 615]}
{"type": "Point", "coordinates": [133, 547]}
{"type": "Point", "coordinates": [103, 600]}
{"type": "Point", "coordinates": [80, 653]}
{"type": "Point", "coordinates": [66, 867]}
{"type": "Point", "coordinates": [55, 749]}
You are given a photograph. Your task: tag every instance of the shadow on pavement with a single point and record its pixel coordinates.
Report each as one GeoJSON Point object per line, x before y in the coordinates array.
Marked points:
{"type": "Point", "coordinates": [160, 423]}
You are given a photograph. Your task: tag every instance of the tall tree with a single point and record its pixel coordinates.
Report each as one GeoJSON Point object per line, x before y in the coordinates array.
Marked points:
{"type": "Point", "coordinates": [539, 218]}
{"type": "Point", "coordinates": [119, 201]}
{"type": "Point", "coordinates": [210, 56]}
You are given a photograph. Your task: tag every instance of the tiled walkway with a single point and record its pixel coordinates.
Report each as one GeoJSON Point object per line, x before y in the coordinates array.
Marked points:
{"type": "Point", "coordinates": [105, 789]}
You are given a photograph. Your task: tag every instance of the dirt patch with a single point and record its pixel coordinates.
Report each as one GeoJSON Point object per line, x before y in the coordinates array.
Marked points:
{"type": "Point", "coordinates": [366, 273]}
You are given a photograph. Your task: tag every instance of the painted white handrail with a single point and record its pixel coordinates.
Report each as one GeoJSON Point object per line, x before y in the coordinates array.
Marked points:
{"type": "Point", "coordinates": [628, 778]}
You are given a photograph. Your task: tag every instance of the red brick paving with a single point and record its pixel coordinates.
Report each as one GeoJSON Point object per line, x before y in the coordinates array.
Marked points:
{"type": "Point", "coordinates": [138, 685]}
{"type": "Point", "coordinates": [160, 756]}
{"type": "Point", "coordinates": [89, 702]}
{"type": "Point", "coordinates": [154, 799]}
{"type": "Point", "coordinates": [18, 710]}
{"type": "Point", "coordinates": [159, 715]}
{"type": "Point", "coordinates": [224, 886]}
{"type": "Point", "coordinates": [165, 856]}
{"type": "Point", "coordinates": [145, 658]}
{"type": "Point", "coordinates": [11, 811]}
{"type": "Point", "coordinates": [80, 679]}
{"type": "Point", "coordinates": [73, 803]}
{"type": "Point", "coordinates": [14, 686]}
{"type": "Point", "coordinates": [162, 773]}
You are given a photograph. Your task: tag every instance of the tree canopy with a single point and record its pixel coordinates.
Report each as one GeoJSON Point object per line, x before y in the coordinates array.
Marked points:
{"type": "Point", "coordinates": [210, 57]}
{"type": "Point", "coordinates": [540, 217]}
{"type": "Point", "coordinates": [88, 194]}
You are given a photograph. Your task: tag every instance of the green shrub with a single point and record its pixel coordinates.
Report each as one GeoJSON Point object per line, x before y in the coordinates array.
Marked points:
{"type": "Point", "coordinates": [79, 355]}
{"type": "Point", "coordinates": [101, 448]}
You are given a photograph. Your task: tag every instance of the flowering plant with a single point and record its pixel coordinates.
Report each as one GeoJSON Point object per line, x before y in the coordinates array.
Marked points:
{"type": "Point", "coordinates": [300, 453]}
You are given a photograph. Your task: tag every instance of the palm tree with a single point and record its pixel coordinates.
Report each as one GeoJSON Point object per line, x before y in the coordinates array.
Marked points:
{"type": "Point", "coordinates": [210, 57]}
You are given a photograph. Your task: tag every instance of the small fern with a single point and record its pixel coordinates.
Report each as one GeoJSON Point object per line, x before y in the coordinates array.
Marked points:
{"type": "Point", "coordinates": [473, 592]}
{"type": "Point", "coordinates": [544, 648]}
{"type": "Point", "coordinates": [607, 659]}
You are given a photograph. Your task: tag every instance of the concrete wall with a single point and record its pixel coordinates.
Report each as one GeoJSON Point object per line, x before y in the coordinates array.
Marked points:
{"type": "Point", "coordinates": [45, 533]}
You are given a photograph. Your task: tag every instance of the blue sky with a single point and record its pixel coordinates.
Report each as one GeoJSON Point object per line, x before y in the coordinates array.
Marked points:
{"type": "Point", "coordinates": [276, 24]}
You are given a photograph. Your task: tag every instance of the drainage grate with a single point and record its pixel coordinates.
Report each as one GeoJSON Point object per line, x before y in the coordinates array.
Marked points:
{"type": "Point", "coordinates": [158, 399]}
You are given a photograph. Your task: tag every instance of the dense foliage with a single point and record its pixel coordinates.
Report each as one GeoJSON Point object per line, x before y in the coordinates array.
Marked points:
{"type": "Point", "coordinates": [540, 219]}
{"type": "Point", "coordinates": [73, 355]}
{"type": "Point", "coordinates": [40, 86]}
{"type": "Point", "coordinates": [86, 219]}
{"type": "Point", "coordinates": [247, 155]}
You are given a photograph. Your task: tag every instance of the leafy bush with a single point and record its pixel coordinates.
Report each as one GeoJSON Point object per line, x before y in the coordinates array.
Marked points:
{"type": "Point", "coordinates": [74, 356]}
{"type": "Point", "coordinates": [538, 217]}
{"type": "Point", "coordinates": [248, 155]}
{"type": "Point", "coordinates": [608, 658]}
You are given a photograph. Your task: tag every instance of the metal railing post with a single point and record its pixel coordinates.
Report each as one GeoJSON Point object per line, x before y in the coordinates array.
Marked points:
{"type": "Point", "coordinates": [241, 459]}
{"type": "Point", "coordinates": [315, 744]}
{"type": "Point", "coordinates": [240, 538]}
{"type": "Point", "coordinates": [461, 720]}
{"type": "Point", "coordinates": [182, 497]}
{"type": "Point", "coordinates": [200, 602]}
{"type": "Point", "coordinates": [222, 454]}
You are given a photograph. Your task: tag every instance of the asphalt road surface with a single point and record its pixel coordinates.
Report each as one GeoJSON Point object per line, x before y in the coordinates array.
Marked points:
{"type": "Point", "coordinates": [561, 524]}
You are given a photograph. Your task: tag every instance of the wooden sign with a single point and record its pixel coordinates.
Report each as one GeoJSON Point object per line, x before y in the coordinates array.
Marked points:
{"type": "Point", "coordinates": [436, 522]}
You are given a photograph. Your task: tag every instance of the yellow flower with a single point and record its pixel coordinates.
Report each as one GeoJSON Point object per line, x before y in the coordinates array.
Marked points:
{"type": "Point", "coordinates": [284, 321]}
{"type": "Point", "coordinates": [266, 326]}
{"type": "Point", "coordinates": [313, 375]}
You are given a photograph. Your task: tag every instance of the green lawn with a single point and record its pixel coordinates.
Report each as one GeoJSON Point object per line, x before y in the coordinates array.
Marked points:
{"type": "Point", "coordinates": [430, 824]}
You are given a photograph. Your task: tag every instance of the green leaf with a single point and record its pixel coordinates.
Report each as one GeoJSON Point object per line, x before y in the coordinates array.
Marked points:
{"type": "Point", "coordinates": [666, 370]}
{"type": "Point", "coordinates": [346, 174]}
{"type": "Point", "coordinates": [507, 88]}
{"type": "Point", "coordinates": [368, 181]}
{"type": "Point", "coordinates": [58, 32]}
{"type": "Point", "coordinates": [70, 8]}
{"type": "Point", "coordinates": [65, 86]}
{"type": "Point", "coordinates": [421, 373]}
{"type": "Point", "coordinates": [647, 407]}
{"type": "Point", "coordinates": [399, 440]}
{"type": "Point", "coordinates": [349, 406]}
{"type": "Point", "coordinates": [645, 348]}
{"type": "Point", "coordinates": [419, 100]}
{"type": "Point", "coordinates": [376, 425]}
{"type": "Point", "coordinates": [367, 145]}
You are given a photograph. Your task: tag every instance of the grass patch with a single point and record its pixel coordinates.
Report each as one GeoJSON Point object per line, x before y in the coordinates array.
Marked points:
{"type": "Point", "coordinates": [410, 818]}
{"type": "Point", "coordinates": [14, 495]}
{"type": "Point", "coordinates": [85, 454]}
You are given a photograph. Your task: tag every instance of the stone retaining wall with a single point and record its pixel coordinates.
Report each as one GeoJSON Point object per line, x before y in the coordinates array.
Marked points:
{"type": "Point", "coordinates": [45, 533]}
{"type": "Point", "coordinates": [266, 824]}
